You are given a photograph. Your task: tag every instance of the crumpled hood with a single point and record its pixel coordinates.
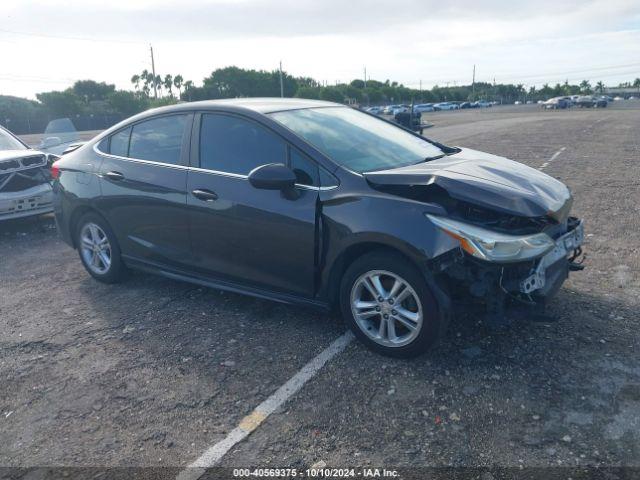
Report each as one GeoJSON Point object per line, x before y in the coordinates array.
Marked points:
{"type": "Point", "coordinates": [486, 180]}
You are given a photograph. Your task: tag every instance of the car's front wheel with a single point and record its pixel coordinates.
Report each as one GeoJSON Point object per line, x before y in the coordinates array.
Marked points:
{"type": "Point", "coordinates": [388, 305]}
{"type": "Point", "coordinates": [99, 250]}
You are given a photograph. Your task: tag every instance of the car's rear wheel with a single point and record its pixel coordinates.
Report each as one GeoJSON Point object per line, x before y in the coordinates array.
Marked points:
{"type": "Point", "coordinates": [388, 305]}
{"type": "Point", "coordinates": [99, 250]}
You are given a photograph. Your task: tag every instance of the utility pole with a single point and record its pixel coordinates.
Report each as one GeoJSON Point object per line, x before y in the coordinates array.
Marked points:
{"type": "Point", "coordinates": [365, 76]}
{"type": "Point", "coordinates": [473, 81]}
{"type": "Point", "coordinates": [153, 71]}
{"type": "Point", "coordinates": [281, 84]}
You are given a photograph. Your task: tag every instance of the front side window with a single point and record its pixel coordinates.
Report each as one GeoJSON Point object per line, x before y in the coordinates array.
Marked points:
{"type": "Point", "coordinates": [235, 145]}
{"type": "Point", "coordinates": [355, 140]}
{"type": "Point", "coordinates": [158, 139]}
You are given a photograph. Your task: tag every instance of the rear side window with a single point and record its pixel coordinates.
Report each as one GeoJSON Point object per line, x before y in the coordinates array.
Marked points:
{"type": "Point", "coordinates": [158, 139]}
{"type": "Point", "coordinates": [119, 143]}
{"type": "Point", "coordinates": [236, 145]}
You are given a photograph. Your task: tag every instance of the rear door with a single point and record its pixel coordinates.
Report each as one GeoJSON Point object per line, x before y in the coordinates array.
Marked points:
{"type": "Point", "coordinates": [143, 180]}
{"type": "Point", "coordinates": [240, 233]}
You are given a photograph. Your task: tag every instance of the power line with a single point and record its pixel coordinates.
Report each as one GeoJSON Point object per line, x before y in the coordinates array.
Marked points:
{"type": "Point", "coordinates": [62, 37]}
{"type": "Point", "coordinates": [32, 78]}
{"type": "Point", "coordinates": [550, 77]}
{"type": "Point", "coordinates": [571, 72]}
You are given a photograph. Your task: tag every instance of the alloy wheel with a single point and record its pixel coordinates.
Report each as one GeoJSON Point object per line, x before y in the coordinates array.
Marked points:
{"type": "Point", "coordinates": [96, 249]}
{"type": "Point", "coordinates": [386, 308]}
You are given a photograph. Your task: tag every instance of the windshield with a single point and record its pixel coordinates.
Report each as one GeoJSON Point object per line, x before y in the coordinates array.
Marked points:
{"type": "Point", "coordinates": [7, 142]}
{"type": "Point", "coordinates": [355, 140]}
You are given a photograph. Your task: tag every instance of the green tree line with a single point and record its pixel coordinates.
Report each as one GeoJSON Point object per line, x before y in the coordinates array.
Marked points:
{"type": "Point", "coordinates": [100, 104]}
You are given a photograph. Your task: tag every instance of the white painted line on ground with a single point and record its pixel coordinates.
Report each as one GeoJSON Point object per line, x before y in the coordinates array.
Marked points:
{"type": "Point", "coordinates": [249, 423]}
{"type": "Point", "coordinates": [553, 157]}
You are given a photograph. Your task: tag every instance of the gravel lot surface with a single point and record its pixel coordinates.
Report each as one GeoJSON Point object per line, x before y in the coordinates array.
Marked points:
{"type": "Point", "coordinates": [152, 372]}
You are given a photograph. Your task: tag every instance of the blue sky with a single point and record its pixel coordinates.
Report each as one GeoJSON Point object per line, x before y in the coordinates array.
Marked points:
{"type": "Point", "coordinates": [49, 44]}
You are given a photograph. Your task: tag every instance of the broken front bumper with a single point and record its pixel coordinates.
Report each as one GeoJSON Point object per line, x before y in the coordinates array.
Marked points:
{"type": "Point", "coordinates": [31, 201]}
{"type": "Point", "coordinates": [554, 266]}
{"type": "Point", "coordinates": [532, 282]}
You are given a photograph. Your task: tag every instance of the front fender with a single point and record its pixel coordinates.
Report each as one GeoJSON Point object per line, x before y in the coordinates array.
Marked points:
{"type": "Point", "coordinates": [383, 221]}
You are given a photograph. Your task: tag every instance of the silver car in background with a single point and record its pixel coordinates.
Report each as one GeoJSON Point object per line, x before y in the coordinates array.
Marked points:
{"type": "Point", "coordinates": [60, 137]}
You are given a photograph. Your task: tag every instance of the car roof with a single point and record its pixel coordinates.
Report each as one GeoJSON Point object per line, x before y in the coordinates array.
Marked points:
{"type": "Point", "coordinates": [258, 105]}
{"type": "Point", "coordinates": [261, 105]}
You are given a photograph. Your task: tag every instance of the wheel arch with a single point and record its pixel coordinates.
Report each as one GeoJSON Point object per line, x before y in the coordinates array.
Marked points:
{"type": "Point", "coordinates": [350, 254]}
{"type": "Point", "coordinates": [75, 217]}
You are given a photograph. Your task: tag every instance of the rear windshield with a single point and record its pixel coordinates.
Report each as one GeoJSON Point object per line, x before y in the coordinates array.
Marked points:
{"type": "Point", "coordinates": [356, 140]}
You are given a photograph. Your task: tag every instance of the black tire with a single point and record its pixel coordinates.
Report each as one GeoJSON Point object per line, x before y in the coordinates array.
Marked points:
{"type": "Point", "coordinates": [117, 271]}
{"type": "Point", "coordinates": [433, 322]}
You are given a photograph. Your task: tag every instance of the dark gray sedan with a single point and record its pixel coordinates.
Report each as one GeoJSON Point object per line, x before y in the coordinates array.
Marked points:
{"type": "Point", "coordinates": [315, 203]}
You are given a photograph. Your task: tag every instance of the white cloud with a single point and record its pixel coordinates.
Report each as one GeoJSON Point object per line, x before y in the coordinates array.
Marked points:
{"type": "Point", "coordinates": [405, 40]}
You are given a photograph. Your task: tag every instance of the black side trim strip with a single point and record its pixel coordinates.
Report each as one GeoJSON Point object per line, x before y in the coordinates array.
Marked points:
{"type": "Point", "coordinates": [223, 284]}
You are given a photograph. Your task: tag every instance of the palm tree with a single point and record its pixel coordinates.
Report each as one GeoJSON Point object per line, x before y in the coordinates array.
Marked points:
{"type": "Point", "coordinates": [157, 81]}
{"type": "Point", "coordinates": [168, 84]}
{"type": "Point", "coordinates": [147, 82]}
{"type": "Point", "coordinates": [600, 87]}
{"type": "Point", "coordinates": [188, 85]}
{"type": "Point", "coordinates": [177, 82]}
{"type": "Point", "coordinates": [144, 76]}
{"type": "Point", "coordinates": [585, 86]}
{"type": "Point", "coordinates": [136, 81]}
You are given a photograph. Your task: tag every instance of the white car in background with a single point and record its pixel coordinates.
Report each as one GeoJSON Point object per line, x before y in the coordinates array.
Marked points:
{"type": "Point", "coordinates": [388, 110]}
{"type": "Point", "coordinates": [60, 137]}
{"type": "Point", "coordinates": [446, 106]}
{"type": "Point", "coordinates": [374, 110]}
{"type": "Point", "coordinates": [423, 107]}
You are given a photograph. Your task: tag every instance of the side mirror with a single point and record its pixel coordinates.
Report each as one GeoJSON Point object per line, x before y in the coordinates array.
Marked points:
{"type": "Point", "coordinates": [49, 142]}
{"type": "Point", "coordinates": [272, 176]}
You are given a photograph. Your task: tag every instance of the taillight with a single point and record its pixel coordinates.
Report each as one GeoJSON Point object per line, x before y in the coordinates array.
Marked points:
{"type": "Point", "coordinates": [55, 170]}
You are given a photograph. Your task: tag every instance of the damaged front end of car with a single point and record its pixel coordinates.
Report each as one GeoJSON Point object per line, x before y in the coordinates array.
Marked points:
{"type": "Point", "coordinates": [516, 239]}
{"type": "Point", "coordinates": [502, 269]}
{"type": "Point", "coordinates": [25, 183]}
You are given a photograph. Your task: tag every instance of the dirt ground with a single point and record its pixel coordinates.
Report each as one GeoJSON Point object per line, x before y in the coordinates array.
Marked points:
{"type": "Point", "coordinates": [152, 372]}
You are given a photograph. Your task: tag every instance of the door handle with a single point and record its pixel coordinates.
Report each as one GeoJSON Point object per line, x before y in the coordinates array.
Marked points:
{"type": "Point", "coordinates": [206, 195]}
{"type": "Point", "coordinates": [114, 176]}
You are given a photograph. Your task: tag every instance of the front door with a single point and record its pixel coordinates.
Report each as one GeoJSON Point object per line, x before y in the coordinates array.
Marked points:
{"type": "Point", "coordinates": [238, 232]}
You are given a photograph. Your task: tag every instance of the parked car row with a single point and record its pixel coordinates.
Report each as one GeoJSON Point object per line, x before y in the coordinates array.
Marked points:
{"type": "Point", "coordinates": [583, 101]}
{"type": "Point", "coordinates": [427, 107]}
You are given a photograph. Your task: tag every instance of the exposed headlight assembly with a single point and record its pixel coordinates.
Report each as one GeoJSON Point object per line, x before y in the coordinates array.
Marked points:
{"type": "Point", "coordinates": [493, 246]}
